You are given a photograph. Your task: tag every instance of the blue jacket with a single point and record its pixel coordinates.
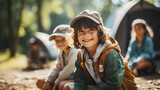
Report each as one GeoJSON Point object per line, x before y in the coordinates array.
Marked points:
{"type": "Point", "coordinates": [146, 49]}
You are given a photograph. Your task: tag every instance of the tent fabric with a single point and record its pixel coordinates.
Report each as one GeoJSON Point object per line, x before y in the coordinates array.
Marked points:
{"type": "Point", "coordinates": [47, 45]}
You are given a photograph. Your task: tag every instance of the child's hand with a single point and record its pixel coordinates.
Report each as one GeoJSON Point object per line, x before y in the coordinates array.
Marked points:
{"type": "Point", "coordinates": [55, 87]}
{"type": "Point", "coordinates": [46, 86]}
{"type": "Point", "coordinates": [140, 59]}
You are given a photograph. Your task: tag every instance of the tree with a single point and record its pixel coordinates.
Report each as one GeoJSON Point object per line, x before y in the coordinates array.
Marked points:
{"type": "Point", "coordinates": [39, 6]}
{"type": "Point", "coordinates": [10, 29]}
{"type": "Point", "coordinates": [13, 36]}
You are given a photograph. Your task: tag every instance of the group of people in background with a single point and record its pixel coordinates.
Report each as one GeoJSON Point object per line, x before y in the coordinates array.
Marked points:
{"type": "Point", "coordinates": [90, 59]}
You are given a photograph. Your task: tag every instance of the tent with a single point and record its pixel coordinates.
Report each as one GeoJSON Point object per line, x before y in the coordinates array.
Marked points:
{"type": "Point", "coordinates": [120, 22]}
{"type": "Point", "coordinates": [47, 45]}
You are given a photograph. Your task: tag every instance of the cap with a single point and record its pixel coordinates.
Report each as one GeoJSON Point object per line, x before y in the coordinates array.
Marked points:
{"type": "Point", "coordinates": [61, 30]}
{"type": "Point", "coordinates": [138, 21]}
{"type": "Point", "coordinates": [33, 41]}
{"type": "Point", "coordinates": [93, 15]}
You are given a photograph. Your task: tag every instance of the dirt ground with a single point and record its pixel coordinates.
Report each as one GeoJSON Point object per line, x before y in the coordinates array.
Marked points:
{"type": "Point", "coordinates": [25, 80]}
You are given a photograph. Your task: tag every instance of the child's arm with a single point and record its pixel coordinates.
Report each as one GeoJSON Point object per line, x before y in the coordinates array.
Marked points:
{"type": "Point", "coordinates": [114, 71]}
{"type": "Point", "coordinates": [46, 86]}
{"type": "Point", "coordinates": [54, 72]}
{"type": "Point", "coordinates": [131, 49]}
{"type": "Point", "coordinates": [148, 51]}
{"type": "Point", "coordinates": [80, 83]}
{"type": "Point", "coordinates": [69, 68]}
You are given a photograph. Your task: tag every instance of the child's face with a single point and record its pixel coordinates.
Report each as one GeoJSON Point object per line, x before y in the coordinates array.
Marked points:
{"type": "Point", "coordinates": [34, 47]}
{"type": "Point", "coordinates": [139, 31]}
{"type": "Point", "coordinates": [61, 43]}
{"type": "Point", "coordinates": [88, 37]}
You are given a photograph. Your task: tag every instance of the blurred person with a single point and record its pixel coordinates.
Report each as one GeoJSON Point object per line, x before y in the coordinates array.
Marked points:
{"type": "Point", "coordinates": [36, 55]}
{"type": "Point", "coordinates": [140, 52]}
{"type": "Point", "coordinates": [62, 72]}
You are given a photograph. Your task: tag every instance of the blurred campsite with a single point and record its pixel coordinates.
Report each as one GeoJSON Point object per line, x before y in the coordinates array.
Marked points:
{"type": "Point", "coordinates": [21, 20]}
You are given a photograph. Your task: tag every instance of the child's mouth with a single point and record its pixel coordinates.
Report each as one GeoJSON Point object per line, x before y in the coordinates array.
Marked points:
{"type": "Point", "coordinates": [61, 46]}
{"type": "Point", "coordinates": [87, 40]}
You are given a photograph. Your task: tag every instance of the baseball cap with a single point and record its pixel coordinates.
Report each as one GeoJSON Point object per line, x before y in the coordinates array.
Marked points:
{"type": "Point", "coordinates": [61, 30]}
{"type": "Point", "coordinates": [93, 15]}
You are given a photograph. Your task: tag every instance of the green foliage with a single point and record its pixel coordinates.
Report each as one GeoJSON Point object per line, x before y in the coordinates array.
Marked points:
{"type": "Point", "coordinates": [28, 18]}
{"type": "Point", "coordinates": [69, 11]}
{"type": "Point", "coordinates": [49, 7]}
{"type": "Point", "coordinates": [53, 12]}
{"type": "Point", "coordinates": [149, 1]}
{"type": "Point", "coordinates": [17, 62]}
{"type": "Point", "coordinates": [21, 32]}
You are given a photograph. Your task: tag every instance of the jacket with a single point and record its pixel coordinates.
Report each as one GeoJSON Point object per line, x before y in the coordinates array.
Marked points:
{"type": "Point", "coordinates": [146, 49]}
{"type": "Point", "coordinates": [111, 68]}
{"type": "Point", "coordinates": [61, 72]}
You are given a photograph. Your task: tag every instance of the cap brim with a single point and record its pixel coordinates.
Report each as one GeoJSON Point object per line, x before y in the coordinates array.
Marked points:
{"type": "Point", "coordinates": [82, 16]}
{"type": "Point", "coordinates": [52, 36]}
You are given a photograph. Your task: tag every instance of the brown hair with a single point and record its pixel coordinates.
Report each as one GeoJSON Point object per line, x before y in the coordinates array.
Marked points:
{"type": "Point", "coordinates": [144, 25]}
{"type": "Point", "coordinates": [87, 23]}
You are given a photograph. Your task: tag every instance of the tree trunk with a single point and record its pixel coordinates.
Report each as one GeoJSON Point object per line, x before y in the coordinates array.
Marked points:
{"type": "Point", "coordinates": [40, 26]}
{"type": "Point", "coordinates": [13, 38]}
{"type": "Point", "coordinates": [10, 29]}
{"type": "Point", "coordinates": [19, 24]}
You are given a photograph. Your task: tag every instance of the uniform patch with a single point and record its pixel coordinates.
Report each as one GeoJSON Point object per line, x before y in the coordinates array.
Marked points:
{"type": "Point", "coordinates": [101, 68]}
{"type": "Point", "coordinates": [82, 64]}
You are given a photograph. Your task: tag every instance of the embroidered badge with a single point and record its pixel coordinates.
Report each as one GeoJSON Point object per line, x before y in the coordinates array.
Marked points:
{"type": "Point", "coordinates": [82, 64]}
{"type": "Point", "coordinates": [101, 68]}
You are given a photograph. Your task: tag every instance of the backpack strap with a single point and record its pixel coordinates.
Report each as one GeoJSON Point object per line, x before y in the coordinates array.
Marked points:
{"type": "Point", "coordinates": [100, 65]}
{"type": "Point", "coordinates": [80, 60]}
{"type": "Point", "coordinates": [88, 77]}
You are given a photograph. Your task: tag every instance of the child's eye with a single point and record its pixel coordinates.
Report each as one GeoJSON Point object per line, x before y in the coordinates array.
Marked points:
{"type": "Point", "coordinates": [80, 31]}
{"type": "Point", "coordinates": [92, 29]}
{"type": "Point", "coordinates": [56, 40]}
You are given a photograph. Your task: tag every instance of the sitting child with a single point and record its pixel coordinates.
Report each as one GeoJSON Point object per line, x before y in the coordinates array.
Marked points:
{"type": "Point", "coordinates": [100, 65]}
{"type": "Point", "coordinates": [65, 61]}
{"type": "Point", "coordinates": [37, 56]}
{"type": "Point", "coordinates": [140, 51]}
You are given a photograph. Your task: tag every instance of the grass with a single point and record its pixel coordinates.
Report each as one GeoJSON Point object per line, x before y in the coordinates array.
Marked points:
{"type": "Point", "coordinates": [17, 62]}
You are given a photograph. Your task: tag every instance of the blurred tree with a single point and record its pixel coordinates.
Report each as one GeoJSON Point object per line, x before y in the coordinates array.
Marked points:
{"type": "Point", "coordinates": [40, 26]}
{"type": "Point", "coordinates": [107, 9]}
{"type": "Point", "coordinates": [13, 36]}
{"type": "Point", "coordinates": [80, 5]}
{"type": "Point", "coordinates": [3, 25]}
{"type": "Point", "coordinates": [63, 11]}
{"type": "Point", "coordinates": [20, 19]}
{"type": "Point", "coordinates": [10, 29]}
{"type": "Point", "coordinates": [22, 22]}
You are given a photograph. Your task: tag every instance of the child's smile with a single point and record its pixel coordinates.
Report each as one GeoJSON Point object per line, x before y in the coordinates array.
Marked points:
{"type": "Point", "coordinates": [88, 40]}
{"type": "Point", "coordinates": [60, 46]}
{"type": "Point", "coordinates": [61, 43]}
{"type": "Point", "coordinates": [88, 37]}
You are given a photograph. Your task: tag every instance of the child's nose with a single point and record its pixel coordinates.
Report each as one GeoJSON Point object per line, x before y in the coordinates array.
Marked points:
{"type": "Point", "coordinates": [86, 34]}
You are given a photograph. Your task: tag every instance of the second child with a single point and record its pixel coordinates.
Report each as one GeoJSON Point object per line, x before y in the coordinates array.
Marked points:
{"type": "Point", "coordinates": [62, 73]}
